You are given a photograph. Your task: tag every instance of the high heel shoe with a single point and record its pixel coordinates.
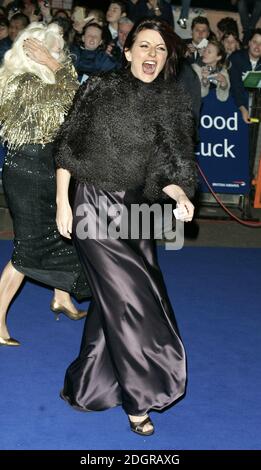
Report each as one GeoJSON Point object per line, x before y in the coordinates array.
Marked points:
{"type": "Point", "coordinates": [59, 308]}
{"type": "Point", "coordinates": [138, 426]}
{"type": "Point", "coordinates": [9, 342]}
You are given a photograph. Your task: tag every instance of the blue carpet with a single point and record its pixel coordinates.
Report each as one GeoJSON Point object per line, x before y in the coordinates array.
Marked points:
{"type": "Point", "coordinates": [216, 296]}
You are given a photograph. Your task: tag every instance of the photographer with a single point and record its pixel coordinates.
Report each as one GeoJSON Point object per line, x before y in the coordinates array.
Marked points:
{"type": "Point", "coordinates": [213, 73]}
{"type": "Point", "coordinates": [201, 32]}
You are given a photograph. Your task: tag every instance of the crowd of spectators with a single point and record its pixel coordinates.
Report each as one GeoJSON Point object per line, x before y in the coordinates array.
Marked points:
{"type": "Point", "coordinates": [95, 40]}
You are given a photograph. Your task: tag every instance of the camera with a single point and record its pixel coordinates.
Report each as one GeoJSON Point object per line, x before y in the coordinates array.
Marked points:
{"type": "Point", "coordinates": [212, 79]}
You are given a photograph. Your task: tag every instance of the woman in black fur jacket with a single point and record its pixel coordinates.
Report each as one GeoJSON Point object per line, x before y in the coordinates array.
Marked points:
{"type": "Point", "coordinates": [128, 139]}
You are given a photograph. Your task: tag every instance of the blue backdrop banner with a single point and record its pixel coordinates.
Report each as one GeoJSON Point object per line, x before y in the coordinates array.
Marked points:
{"type": "Point", "coordinates": [223, 151]}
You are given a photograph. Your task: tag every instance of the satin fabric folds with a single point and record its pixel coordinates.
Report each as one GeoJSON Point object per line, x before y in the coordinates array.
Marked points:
{"type": "Point", "coordinates": [131, 352]}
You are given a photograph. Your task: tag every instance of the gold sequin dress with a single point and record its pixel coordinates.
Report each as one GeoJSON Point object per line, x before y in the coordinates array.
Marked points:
{"type": "Point", "coordinates": [31, 111]}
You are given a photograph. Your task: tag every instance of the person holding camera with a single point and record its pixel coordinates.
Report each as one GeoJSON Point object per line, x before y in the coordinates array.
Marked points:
{"type": "Point", "coordinates": [201, 32]}
{"type": "Point", "coordinates": [214, 72]}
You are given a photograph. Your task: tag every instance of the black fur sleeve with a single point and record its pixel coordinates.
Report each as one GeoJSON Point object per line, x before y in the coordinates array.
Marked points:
{"type": "Point", "coordinates": [173, 160]}
{"type": "Point", "coordinates": [67, 138]}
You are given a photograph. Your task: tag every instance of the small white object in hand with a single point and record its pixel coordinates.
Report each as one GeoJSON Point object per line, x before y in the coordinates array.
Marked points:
{"type": "Point", "coordinates": [179, 213]}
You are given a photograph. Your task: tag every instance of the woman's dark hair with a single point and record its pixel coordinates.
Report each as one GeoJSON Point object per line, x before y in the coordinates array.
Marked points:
{"type": "Point", "coordinates": [174, 44]}
{"type": "Point", "coordinates": [228, 24]}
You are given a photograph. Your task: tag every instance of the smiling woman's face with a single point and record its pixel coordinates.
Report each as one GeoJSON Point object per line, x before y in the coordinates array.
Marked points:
{"type": "Point", "coordinates": [148, 55]}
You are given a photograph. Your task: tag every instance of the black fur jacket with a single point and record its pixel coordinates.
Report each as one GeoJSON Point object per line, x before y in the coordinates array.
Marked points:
{"type": "Point", "coordinates": [122, 133]}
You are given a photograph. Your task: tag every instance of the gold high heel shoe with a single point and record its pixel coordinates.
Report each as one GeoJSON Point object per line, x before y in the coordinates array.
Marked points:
{"type": "Point", "coordinates": [9, 342]}
{"type": "Point", "coordinates": [59, 308]}
{"type": "Point", "coordinates": [138, 426]}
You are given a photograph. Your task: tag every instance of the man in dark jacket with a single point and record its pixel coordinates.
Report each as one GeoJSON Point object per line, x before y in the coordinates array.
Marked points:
{"type": "Point", "coordinates": [115, 48]}
{"type": "Point", "coordinates": [243, 61]}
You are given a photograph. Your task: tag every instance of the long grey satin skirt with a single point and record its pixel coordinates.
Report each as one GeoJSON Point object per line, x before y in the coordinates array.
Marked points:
{"type": "Point", "coordinates": [131, 352]}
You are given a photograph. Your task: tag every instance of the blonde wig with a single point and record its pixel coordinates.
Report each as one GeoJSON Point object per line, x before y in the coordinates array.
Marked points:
{"type": "Point", "coordinates": [16, 62]}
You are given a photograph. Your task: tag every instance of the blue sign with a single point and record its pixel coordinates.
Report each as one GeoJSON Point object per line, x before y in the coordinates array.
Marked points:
{"type": "Point", "coordinates": [223, 151]}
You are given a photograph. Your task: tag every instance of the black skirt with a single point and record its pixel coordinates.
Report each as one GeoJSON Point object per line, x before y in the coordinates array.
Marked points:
{"type": "Point", "coordinates": [39, 251]}
{"type": "Point", "coordinates": [131, 352]}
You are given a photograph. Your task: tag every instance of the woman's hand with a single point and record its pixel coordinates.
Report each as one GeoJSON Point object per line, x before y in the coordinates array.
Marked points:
{"type": "Point", "coordinates": [183, 203]}
{"type": "Point", "coordinates": [186, 208]}
{"type": "Point", "coordinates": [37, 52]}
{"type": "Point", "coordinates": [64, 219]}
{"type": "Point", "coordinates": [222, 80]}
